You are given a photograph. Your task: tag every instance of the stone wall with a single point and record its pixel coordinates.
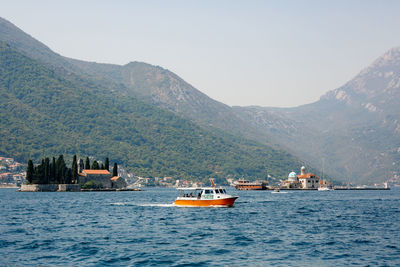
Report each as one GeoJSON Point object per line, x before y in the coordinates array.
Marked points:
{"type": "Point", "coordinates": [39, 187]}
{"type": "Point", "coordinates": [69, 187]}
{"type": "Point", "coordinates": [50, 187]}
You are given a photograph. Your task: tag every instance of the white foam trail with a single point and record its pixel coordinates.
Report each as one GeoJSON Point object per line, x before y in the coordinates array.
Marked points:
{"type": "Point", "coordinates": [123, 204]}
{"type": "Point", "coordinates": [142, 204]}
{"type": "Point", "coordinates": [156, 205]}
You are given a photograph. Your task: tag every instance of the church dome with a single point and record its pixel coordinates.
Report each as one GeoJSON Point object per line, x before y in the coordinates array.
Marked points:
{"type": "Point", "coordinates": [292, 177]}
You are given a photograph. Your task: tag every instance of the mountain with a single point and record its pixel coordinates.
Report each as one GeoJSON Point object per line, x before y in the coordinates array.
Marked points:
{"type": "Point", "coordinates": [351, 132]}
{"type": "Point", "coordinates": [50, 106]}
{"type": "Point", "coordinates": [152, 84]}
{"type": "Point", "coordinates": [354, 129]}
{"type": "Point", "coordinates": [161, 87]}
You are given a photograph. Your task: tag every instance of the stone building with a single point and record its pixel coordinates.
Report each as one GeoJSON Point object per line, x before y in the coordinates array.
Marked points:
{"type": "Point", "coordinates": [308, 180]}
{"type": "Point", "coordinates": [118, 182]}
{"type": "Point", "coordinates": [292, 181]}
{"type": "Point", "coordinates": [98, 176]}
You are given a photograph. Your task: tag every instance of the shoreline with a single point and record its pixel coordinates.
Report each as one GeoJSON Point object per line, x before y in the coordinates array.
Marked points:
{"type": "Point", "coordinates": [316, 189]}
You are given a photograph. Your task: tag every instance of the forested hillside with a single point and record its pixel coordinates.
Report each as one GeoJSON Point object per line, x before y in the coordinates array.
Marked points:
{"type": "Point", "coordinates": [43, 113]}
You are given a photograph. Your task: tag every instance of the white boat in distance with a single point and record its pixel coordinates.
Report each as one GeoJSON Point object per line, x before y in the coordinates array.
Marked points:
{"type": "Point", "coordinates": [325, 189]}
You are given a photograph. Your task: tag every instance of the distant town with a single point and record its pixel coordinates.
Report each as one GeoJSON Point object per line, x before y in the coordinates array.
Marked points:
{"type": "Point", "coordinates": [13, 174]}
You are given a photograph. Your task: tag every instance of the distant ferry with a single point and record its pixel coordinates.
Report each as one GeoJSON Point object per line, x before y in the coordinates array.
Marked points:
{"type": "Point", "coordinates": [247, 185]}
{"type": "Point", "coordinates": [204, 197]}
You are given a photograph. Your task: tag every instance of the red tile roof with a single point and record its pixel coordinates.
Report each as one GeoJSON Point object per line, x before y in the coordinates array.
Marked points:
{"type": "Point", "coordinates": [114, 178]}
{"type": "Point", "coordinates": [307, 176]}
{"type": "Point", "coordinates": [95, 172]}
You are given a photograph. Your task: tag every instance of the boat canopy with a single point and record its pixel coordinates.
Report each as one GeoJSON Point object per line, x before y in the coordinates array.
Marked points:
{"type": "Point", "coordinates": [198, 188]}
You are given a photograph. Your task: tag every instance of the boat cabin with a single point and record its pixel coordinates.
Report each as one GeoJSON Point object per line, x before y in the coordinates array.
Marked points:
{"type": "Point", "coordinates": [201, 193]}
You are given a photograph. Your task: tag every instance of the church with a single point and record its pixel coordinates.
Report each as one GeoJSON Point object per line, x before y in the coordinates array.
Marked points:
{"type": "Point", "coordinates": [102, 177]}
{"type": "Point", "coordinates": [304, 180]}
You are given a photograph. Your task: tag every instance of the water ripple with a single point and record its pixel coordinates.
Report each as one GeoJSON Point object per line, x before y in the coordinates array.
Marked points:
{"type": "Point", "coordinates": [144, 228]}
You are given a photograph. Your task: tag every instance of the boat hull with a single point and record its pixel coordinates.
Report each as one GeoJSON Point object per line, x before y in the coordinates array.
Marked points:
{"type": "Point", "coordinates": [251, 187]}
{"type": "Point", "coordinates": [223, 202]}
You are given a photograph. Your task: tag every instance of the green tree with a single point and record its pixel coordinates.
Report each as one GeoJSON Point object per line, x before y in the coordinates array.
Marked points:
{"type": "Point", "coordinates": [115, 169]}
{"type": "Point", "coordinates": [53, 171]}
{"type": "Point", "coordinates": [47, 170]}
{"type": "Point", "coordinates": [29, 172]}
{"type": "Point", "coordinates": [95, 165]}
{"type": "Point", "coordinates": [68, 176]}
{"type": "Point", "coordinates": [87, 163]}
{"type": "Point", "coordinates": [74, 169]}
{"type": "Point", "coordinates": [35, 179]}
{"type": "Point", "coordinates": [41, 173]}
{"type": "Point", "coordinates": [107, 164]}
{"type": "Point", "coordinates": [60, 170]}
{"type": "Point", "coordinates": [102, 167]}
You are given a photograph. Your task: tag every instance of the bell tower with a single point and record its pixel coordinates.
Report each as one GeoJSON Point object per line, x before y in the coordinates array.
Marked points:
{"type": "Point", "coordinates": [80, 166]}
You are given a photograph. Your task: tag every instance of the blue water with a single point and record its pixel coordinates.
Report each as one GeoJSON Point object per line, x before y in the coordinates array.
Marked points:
{"type": "Point", "coordinates": [337, 228]}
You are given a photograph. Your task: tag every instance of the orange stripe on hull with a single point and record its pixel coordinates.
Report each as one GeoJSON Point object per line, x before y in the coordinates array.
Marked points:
{"type": "Point", "coordinates": [225, 202]}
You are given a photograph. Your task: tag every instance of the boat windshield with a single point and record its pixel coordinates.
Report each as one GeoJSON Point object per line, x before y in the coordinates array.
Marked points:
{"type": "Point", "coordinates": [191, 194]}
{"type": "Point", "coordinates": [197, 193]}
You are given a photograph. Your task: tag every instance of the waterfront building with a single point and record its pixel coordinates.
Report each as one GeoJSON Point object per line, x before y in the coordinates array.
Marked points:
{"type": "Point", "coordinates": [118, 182]}
{"type": "Point", "coordinates": [308, 180]}
{"type": "Point", "coordinates": [292, 181]}
{"type": "Point", "coordinates": [98, 176]}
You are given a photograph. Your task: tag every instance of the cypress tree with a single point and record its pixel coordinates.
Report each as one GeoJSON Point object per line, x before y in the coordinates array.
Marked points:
{"type": "Point", "coordinates": [53, 171]}
{"type": "Point", "coordinates": [81, 165]}
{"type": "Point", "coordinates": [80, 168]}
{"type": "Point", "coordinates": [47, 170]}
{"type": "Point", "coordinates": [29, 172]}
{"type": "Point", "coordinates": [115, 170]}
{"type": "Point", "coordinates": [102, 167]}
{"type": "Point", "coordinates": [60, 169]}
{"type": "Point", "coordinates": [35, 175]}
{"type": "Point", "coordinates": [74, 169]}
{"type": "Point", "coordinates": [68, 176]}
{"type": "Point", "coordinates": [41, 173]}
{"type": "Point", "coordinates": [95, 165]}
{"type": "Point", "coordinates": [107, 164]}
{"type": "Point", "coordinates": [87, 163]}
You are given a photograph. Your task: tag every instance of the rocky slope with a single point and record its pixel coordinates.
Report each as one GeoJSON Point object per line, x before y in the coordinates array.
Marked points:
{"type": "Point", "coordinates": [355, 128]}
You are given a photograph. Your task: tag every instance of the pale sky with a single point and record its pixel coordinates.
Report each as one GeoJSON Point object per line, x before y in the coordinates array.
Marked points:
{"type": "Point", "coordinates": [266, 53]}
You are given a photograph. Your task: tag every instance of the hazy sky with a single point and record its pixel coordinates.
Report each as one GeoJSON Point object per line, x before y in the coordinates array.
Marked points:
{"type": "Point", "coordinates": [267, 53]}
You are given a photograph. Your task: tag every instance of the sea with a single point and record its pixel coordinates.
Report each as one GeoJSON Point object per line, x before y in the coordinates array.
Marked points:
{"type": "Point", "coordinates": [295, 228]}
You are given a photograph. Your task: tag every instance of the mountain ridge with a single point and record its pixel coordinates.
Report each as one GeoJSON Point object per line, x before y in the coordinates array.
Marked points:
{"type": "Point", "coordinates": [353, 128]}
{"type": "Point", "coordinates": [47, 109]}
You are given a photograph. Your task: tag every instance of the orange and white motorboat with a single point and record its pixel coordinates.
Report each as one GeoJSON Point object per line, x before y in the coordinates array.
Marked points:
{"type": "Point", "coordinates": [204, 197]}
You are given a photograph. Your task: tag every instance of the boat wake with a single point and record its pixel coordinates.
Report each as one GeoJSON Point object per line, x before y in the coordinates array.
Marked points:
{"type": "Point", "coordinates": [157, 205]}
{"type": "Point", "coordinates": [123, 204]}
{"type": "Point", "coordinates": [141, 204]}
{"type": "Point", "coordinates": [279, 192]}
